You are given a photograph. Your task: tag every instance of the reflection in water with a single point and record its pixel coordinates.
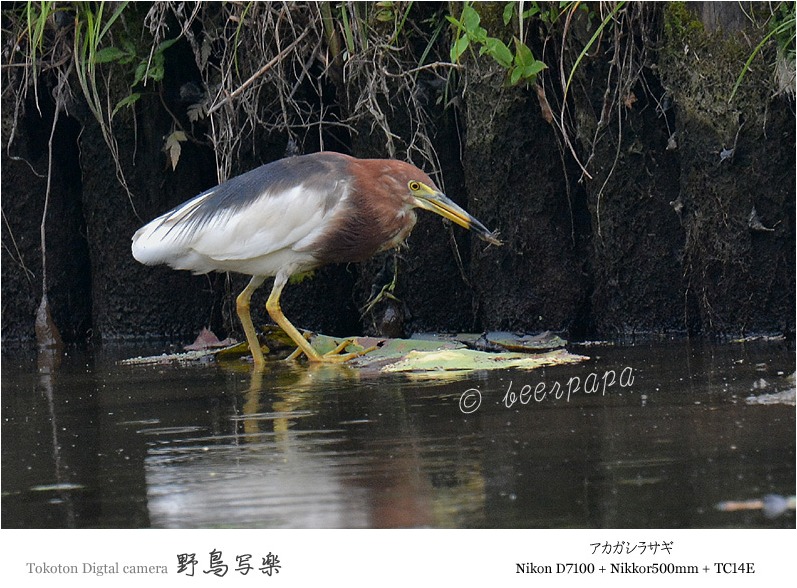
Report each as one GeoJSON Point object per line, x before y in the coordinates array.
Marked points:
{"type": "Point", "coordinates": [48, 360]}
{"type": "Point", "coordinates": [327, 446]}
{"type": "Point", "coordinates": [277, 475]}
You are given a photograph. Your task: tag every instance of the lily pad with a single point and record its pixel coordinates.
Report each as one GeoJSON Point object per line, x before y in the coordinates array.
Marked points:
{"type": "Point", "coordinates": [458, 361]}
{"type": "Point", "coordinates": [238, 351]}
{"type": "Point", "coordinates": [421, 356]}
{"type": "Point", "coordinates": [499, 341]}
{"type": "Point", "coordinates": [278, 339]}
{"type": "Point", "coordinates": [544, 341]}
{"type": "Point", "coordinates": [325, 344]}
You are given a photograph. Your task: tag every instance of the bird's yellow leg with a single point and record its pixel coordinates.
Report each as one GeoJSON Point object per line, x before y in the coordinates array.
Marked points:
{"type": "Point", "coordinates": [242, 306]}
{"type": "Point", "coordinates": [296, 353]}
{"type": "Point", "coordinates": [275, 312]}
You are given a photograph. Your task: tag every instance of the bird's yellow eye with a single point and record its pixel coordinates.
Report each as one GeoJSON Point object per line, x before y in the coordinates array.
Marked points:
{"type": "Point", "coordinates": [415, 186]}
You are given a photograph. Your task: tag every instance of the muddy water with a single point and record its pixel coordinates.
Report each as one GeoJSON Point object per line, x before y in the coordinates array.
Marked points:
{"type": "Point", "coordinates": [89, 443]}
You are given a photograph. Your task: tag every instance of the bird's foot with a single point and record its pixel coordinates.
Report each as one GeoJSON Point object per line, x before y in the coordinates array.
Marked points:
{"type": "Point", "coordinates": [297, 353]}
{"type": "Point", "coordinates": [334, 356]}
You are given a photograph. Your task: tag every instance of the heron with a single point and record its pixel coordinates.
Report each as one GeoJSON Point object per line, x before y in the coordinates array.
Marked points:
{"type": "Point", "coordinates": [292, 216]}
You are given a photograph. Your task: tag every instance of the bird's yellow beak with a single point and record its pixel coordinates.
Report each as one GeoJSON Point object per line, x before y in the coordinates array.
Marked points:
{"type": "Point", "coordinates": [441, 204]}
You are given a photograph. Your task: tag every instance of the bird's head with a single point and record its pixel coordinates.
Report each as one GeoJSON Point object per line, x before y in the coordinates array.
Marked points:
{"type": "Point", "coordinates": [430, 198]}
{"type": "Point", "coordinates": [422, 193]}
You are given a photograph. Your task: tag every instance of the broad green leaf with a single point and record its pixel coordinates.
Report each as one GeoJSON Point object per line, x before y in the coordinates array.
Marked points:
{"type": "Point", "coordinates": [166, 44]}
{"type": "Point", "coordinates": [535, 9]}
{"type": "Point", "coordinates": [509, 11]}
{"type": "Point", "coordinates": [478, 35]}
{"type": "Point", "coordinates": [459, 362]}
{"type": "Point", "coordinates": [127, 101]}
{"type": "Point", "coordinates": [533, 69]}
{"type": "Point", "coordinates": [156, 72]}
{"type": "Point", "coordinates": [458, 48]}
{"type": "Point", "coordinates": [141, 71]}
{"type": "Point", "coordinates": [515, 76]}
{"type": "Point", "coordinates": [523, 56]}
{"type": "Point", "coordinates": [470, 18]}
{"type": "Point", "coordinates": [500, 52]}
{"type": "Point", "coordinates": [108, 54]}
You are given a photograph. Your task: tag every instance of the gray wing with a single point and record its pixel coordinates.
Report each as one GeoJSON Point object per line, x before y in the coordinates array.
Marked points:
{"type": "Point", "coordinates": [281, 205]}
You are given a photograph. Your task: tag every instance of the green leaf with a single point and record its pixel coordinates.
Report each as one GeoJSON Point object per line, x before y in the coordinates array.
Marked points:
{"type": "Point", "coordinates": [509, 12]}
{"type": "Point", "coordinates": [499, 51]}
{"type": "Point", "coordinates": [454, 21]}
{"type": "Point", "coordinates": [140, 72]}
{"type": "Point", "coordinates": [478, 35]}
{"type": "Point", "coordinates": [514, 78]}
{"type": "Point", "coordinates": [533, 69]}
{"type": "Point", "coordinates": [156, 73]}
{"type": "Point", "coordinates": [127, 101]}
{"type": "Point", "coordinates": [458, 48]}
{"type": "Point", "coordinates": [128, 47]}
{"type": "Point", "coordinates": [470, 18]}
{"type": "Point", "coordinates": [526, 72]}
{"type": "Point", "coordinates": [109, 54]}
{"type": "Point", "coordinates": [384, 16]}
{"type": "Point", "coordinates": [166, 44]}
{"type": "Point", "coordinates": [116, 14]}
{"type": "Point", "coordinates": [523, 55]}
{"type": "Point", "coordinates": [535, 9]}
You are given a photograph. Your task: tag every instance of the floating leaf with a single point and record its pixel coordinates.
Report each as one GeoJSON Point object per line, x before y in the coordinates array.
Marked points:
{"type": "Point", "coordinates": [502, 340]}
{"type": "Point", "coordinates": [459, 361]}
